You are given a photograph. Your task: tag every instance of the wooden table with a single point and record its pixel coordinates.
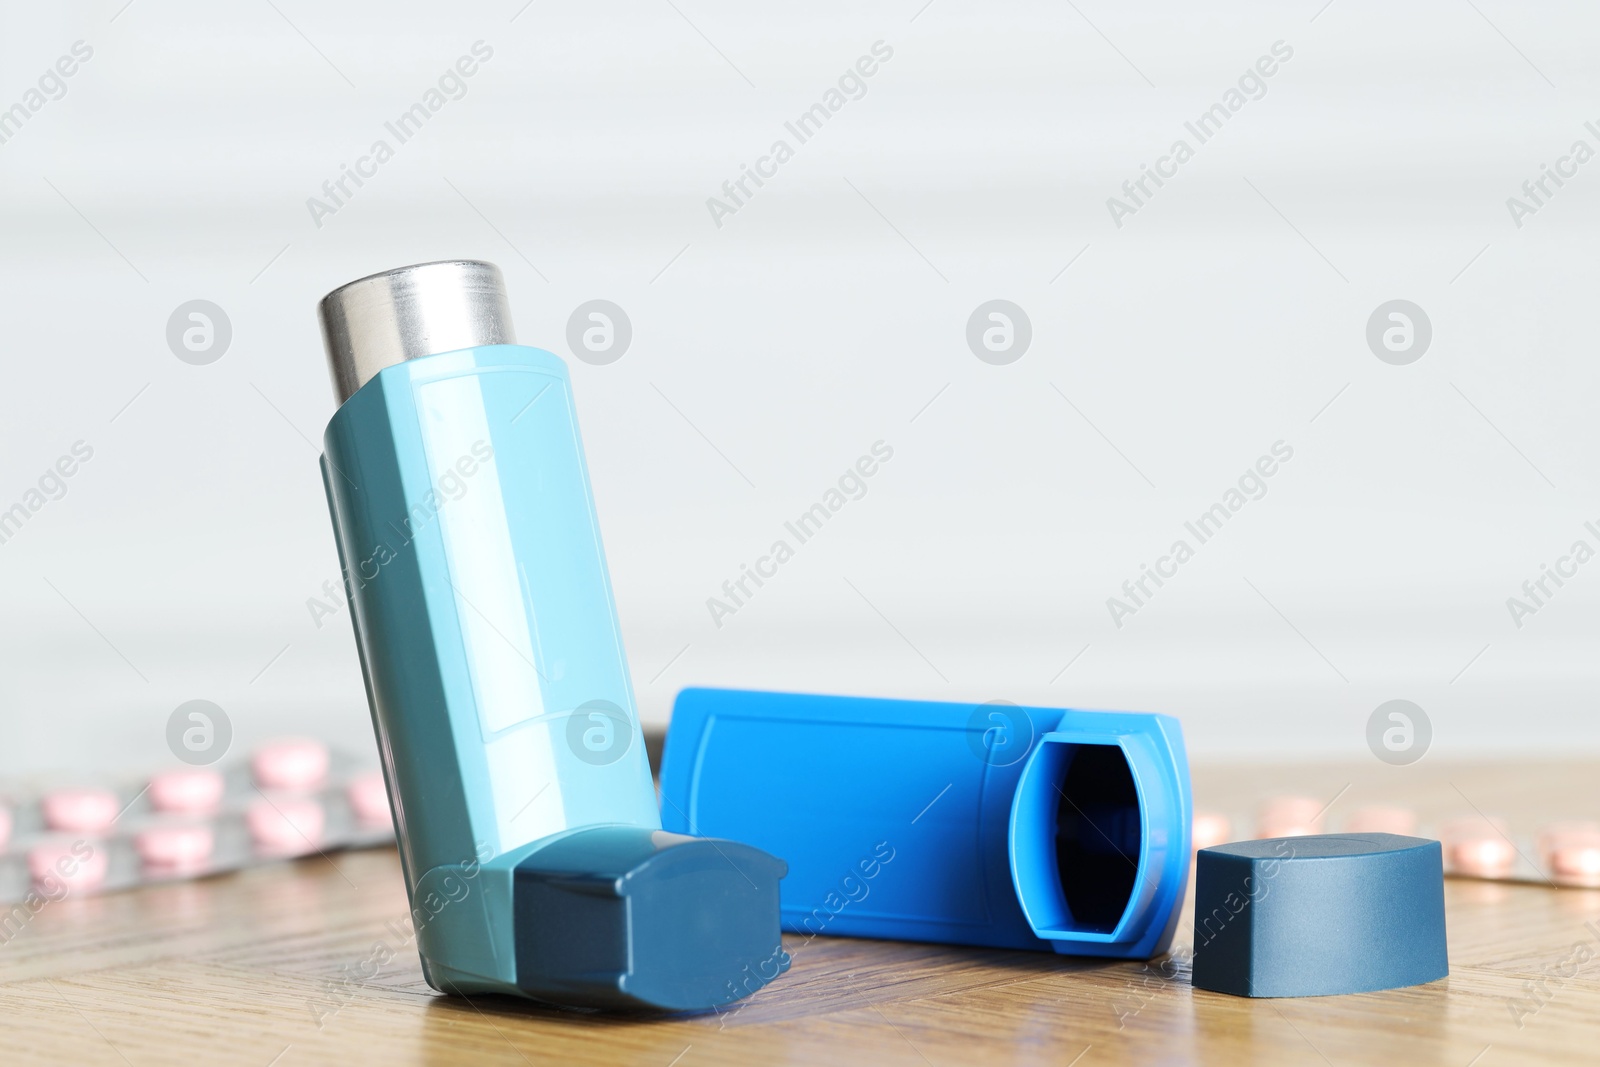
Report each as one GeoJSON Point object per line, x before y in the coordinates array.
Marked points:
{"type": "Point", "coordinates": [242, 969]}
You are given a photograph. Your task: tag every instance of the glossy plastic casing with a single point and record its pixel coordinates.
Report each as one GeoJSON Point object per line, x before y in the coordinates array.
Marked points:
{"type": "Point", "coordinates": [528, 827]}
{"type": "Point", "coordinates": [1319, 915]}
{"type": "Point", "coordinates": [990, 824]}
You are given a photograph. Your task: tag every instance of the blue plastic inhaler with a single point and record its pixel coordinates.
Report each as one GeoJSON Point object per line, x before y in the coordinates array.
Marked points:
{"type": "Point", "coordinates": [997, 825]}
{"type": "Point", "coordinates": [529, 833]}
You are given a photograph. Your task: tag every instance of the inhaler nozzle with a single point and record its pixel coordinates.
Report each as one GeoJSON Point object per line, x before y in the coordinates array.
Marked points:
{"type": "Point", "coordinates": [410, 312]}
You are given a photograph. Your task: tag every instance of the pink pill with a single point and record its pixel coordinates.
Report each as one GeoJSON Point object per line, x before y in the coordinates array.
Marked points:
{"type": "Point", "coordinates": [285, 825]}
{"type": "Point", "coordinates": [180, 845]}
{"type": "Point", "coordinates": [80, 811]}
{"type": "Point", "coordinates": [5, 826]}
{"type": "Point", "coordinates": [79, 865]}
{"type": "Point", "coordinates": [1382, 820]}
{"type": "Point", "coordinates": [1290, 817]}
{"type": "Point", "coordinates": [1210, 829]}
{"type": "Point", "coordinates": [1484, 855]}
{"type": "Point", "coordinates": [1571, 851]}
{"type": "Point", "coordinates": [1576, 861]}
{"type": "Point", "coordinates": [369, 799]}
{"type": "Point", "coordinates": [1557, 833]}
{"type": "Point", "coordinates": [295, 764]}
{"type": "Point", "coordinates": [196, 791]}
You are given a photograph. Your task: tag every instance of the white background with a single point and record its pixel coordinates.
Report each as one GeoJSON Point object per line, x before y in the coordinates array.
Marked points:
{"type": "Point", "coordinates": [771, 352]}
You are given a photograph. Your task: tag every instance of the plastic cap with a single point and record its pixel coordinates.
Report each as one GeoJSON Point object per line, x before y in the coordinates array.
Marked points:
{"type": "Point", "coordinates": [624, 917]}
{"type": "Point", "coordinates": [1318, 915]}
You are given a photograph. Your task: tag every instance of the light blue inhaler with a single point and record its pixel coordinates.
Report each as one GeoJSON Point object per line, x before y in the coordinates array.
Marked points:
{"type": "Point", "coordinates": [529, 833]}
{"type": "Point", "coordinates": [988, 824]}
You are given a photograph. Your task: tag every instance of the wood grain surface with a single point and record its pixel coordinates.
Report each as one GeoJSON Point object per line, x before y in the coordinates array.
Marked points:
{"type": "Point", "coordinates": [253, 969]}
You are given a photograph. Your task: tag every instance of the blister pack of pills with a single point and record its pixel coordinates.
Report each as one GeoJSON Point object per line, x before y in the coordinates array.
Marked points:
{"type": "Point", "coordinates": [292, 798]}
{"type": "Point", "coordinates": [1475, 846]}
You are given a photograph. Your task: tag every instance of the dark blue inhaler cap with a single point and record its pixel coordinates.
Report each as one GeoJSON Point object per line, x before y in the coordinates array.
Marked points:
{"type": "Point", "coordinates": [622, 917]}
{"type": "Point", "coordinates": [1319, 915]}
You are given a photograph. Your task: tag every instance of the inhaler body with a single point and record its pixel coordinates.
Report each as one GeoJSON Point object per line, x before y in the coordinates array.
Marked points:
{"type": "Point", "coordinates": [529, 833]}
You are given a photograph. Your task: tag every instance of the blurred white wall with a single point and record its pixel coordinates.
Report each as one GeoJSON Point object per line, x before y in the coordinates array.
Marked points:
{"type": "Point", "coordinates": [828, 313]}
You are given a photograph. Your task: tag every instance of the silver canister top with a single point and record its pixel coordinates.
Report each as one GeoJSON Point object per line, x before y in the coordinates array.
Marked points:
{"type": "Point", "coordinates": [409, 312]}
